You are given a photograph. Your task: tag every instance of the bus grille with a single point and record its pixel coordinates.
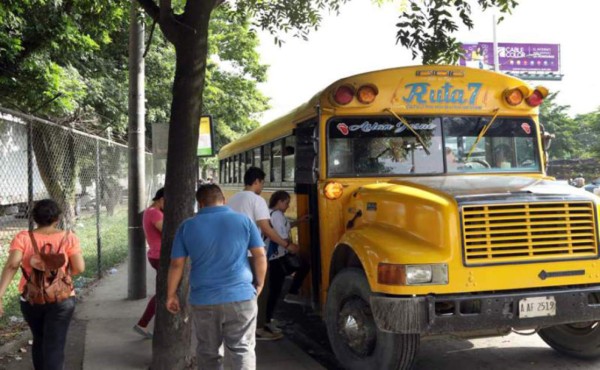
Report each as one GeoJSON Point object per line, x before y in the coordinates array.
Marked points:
{"type": "Point", "coordinates": [528, 232]}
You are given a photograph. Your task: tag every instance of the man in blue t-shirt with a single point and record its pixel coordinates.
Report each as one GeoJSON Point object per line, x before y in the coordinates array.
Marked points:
{"type": "Point", "coordinates": [222, 292]}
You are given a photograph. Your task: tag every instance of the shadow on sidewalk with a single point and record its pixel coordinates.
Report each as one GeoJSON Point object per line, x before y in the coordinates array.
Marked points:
{"type": "Point", "coordinates": [101, 335]}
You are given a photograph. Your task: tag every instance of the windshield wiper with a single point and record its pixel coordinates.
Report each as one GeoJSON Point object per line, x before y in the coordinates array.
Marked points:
{"type": "Point", "coordinates": [408, 126]}
{"type": "Point", "coordinates": [482, 132]}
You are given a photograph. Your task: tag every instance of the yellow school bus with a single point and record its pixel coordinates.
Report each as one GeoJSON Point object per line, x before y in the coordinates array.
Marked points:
{"type": "Point", "coordinates": [432, 213]}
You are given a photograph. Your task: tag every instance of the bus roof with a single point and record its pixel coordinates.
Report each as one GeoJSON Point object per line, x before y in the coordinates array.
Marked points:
{"type": "Point", "coordinates": [407, 91]}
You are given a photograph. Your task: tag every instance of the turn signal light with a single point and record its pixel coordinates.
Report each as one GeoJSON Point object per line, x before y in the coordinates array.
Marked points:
{"type": "Point", "coordinates": [366, 94]}
{"type": "Point", "coordinates": [513, 96]}
{"type": "Point", "coordinates": [333, 190]}
{"type": "Point", "coordinates": [389, 274]}
{"type": "Point", "coordinates": [344, 94]}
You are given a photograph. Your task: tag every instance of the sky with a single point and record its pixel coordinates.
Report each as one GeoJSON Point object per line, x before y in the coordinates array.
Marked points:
{"type": "Point", "coordinates": [363, 38]}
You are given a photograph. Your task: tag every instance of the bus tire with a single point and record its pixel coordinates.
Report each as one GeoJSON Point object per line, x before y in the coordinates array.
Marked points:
{"type": "Point", "coordinates": [353, 334]}
{"type": "Point", "coordinates": [580, 340]}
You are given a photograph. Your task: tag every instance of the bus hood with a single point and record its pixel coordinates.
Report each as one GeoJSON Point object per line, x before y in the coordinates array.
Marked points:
{"type": "Point", "coordinates": [467, 188]}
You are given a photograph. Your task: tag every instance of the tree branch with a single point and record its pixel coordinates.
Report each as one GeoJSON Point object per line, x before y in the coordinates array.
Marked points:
{"type": "Point", "coordinates": [151, 8]}
{"type": "Point", "coordinates": [167, 21]}
{"type": "Point", "coordinates": [149, 39]}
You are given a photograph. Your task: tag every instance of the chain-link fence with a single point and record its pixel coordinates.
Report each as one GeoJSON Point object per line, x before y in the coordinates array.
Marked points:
{"type": "Point", "coordinates": [85, 174]}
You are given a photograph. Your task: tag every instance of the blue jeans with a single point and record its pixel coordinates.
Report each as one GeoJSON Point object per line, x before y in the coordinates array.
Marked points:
{"type": "Point", "coordinates": [49, 324]}
{"type": "Point", "coordinates": [232, 324]}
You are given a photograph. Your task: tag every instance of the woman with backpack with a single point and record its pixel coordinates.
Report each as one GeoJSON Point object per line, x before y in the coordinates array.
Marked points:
{"type": "Point", "coordinates": [48, 258]}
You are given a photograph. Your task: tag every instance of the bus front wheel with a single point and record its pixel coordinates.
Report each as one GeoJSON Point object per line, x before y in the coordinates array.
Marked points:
{"type": "Point", "coordinates": [353, 334]}
{"type": "Point", "coordinates": [581, 340]}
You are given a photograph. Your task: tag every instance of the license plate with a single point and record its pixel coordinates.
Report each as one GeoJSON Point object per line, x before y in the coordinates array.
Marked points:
{"type": "Point", "coordinates": [537, 307]}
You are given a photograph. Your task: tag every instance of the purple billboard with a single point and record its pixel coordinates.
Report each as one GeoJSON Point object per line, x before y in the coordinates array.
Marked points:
{"type": "Point", "coordinates": [513, 57]}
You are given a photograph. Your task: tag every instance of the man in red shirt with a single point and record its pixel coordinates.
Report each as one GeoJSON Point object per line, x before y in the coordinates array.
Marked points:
{"type": "Point", "coordinates": [153, 224]}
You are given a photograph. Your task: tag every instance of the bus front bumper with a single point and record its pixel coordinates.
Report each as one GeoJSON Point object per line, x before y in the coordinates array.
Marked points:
{"type": "Point", "coordinates": [431, 315]}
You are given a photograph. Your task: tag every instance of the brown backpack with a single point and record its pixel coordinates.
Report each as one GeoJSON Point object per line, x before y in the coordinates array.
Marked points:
{"type": "Point", "coordinates": [48, 283]}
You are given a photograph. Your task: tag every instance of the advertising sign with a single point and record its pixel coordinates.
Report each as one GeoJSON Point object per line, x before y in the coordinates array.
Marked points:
{"type": "Point", "coordinates": [206, 146]}
{"type": "Point", "coordinates": [514, 57]}
{"type": "Point", "coordinates": [160, 139]}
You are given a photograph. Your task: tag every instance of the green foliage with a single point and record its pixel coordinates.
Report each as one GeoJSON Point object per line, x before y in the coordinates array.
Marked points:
{"type": "Point", "coordinates": [160, 70]}
{"type": "Point", "coordinates": [592, 123]}
{"type": "Point", "coordinates": [574, 137]}
{"type": "Point", "coordinates": [50, 47]}
{"type": "Point", "coordinates": [54, 47]}
{"type": "Point", "coordinates": [230, 93]}
{"type": "Point", "coordinates": [426, 26]}
{"type": "Point", "coordinates": [283, 16]}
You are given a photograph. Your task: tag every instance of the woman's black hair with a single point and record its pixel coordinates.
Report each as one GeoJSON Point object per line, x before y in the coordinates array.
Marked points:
{"type": "Point", "coordinates": [277, 196]}
{"type": "Point", "coordinates": [46, 212]}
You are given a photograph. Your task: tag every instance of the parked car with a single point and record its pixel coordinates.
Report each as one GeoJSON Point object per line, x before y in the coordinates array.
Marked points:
{"type": "Point", "coordinates": [595, 184]}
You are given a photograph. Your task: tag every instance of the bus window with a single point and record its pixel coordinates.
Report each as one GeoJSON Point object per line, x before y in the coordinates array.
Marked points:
{"type": "Point", "coordinates": [277, 161]}
{"type": "Point", "coordinates": [248, 160]}
{"type": "Point", "coordinates": [222, 171]}
{"type": "Point", "coordinates": [231, 170]}
{"type": "Point", "coordinates": [289, 158]}
{"type": "Point", "coordinates": [266, 162]}
{"type": "Point", "coordinates": [256, 161]}
{"type": "Point", "coordinates": [509, 144]}
{"type": "Point", "coordinates": [236, 168]}
{"type": "Point", "coordinates": [240, 171]}
{"type": "Point", "coordinates": [242, 165]}
{"type": "Point", "coordinates": [382, 146]}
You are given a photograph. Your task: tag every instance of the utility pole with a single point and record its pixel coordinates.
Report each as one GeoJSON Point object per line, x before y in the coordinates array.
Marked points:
{"type": "Point", "coordinates": [137, 244]}
{"type": "Point", "coordinates": [495, 48]}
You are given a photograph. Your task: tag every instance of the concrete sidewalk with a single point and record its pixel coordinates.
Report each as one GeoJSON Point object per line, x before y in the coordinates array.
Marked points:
{"type": "Point", "coordinates": [110, 342]}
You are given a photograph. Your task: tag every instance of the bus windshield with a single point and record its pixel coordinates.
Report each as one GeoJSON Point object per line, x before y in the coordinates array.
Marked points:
{"type": "Point", "coordinates": [383, 146]}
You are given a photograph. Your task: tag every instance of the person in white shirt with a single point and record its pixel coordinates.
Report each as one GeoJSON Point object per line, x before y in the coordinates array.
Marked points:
{"type": "Point", "coordinates": [250, 203]}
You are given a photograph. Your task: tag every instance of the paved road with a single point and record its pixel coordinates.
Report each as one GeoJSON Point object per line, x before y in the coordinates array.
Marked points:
{"type": "Point", "coordinates": [514, 352]}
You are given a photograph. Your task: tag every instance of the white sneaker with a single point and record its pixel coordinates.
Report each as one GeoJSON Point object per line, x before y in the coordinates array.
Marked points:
{"type": "Point", "coordinates": [265, 334]}
{"type": "Point", "coordinates": [273, 327]}
{"type": "Point", "coordinates": [142, 331]}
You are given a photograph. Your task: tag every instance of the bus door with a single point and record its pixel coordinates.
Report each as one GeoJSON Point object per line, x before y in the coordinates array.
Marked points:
{"type": "Point", "coordinates": [306, 177]}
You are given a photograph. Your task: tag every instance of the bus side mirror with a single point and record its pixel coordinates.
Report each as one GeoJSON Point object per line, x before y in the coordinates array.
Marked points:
{"type": "Point", "coordinates": [547, 140]}
{"type": "Point", "coordinates": [546, 137]}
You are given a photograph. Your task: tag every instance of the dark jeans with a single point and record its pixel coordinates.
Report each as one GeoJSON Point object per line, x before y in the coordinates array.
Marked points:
{"type": "Point", "coordinates": [277, 278]}
{"type": "Point", "coordinates": [49, 324]}
{"type": "Point", "coordinates": [261, 316]}
{"type": "Point", "coordinates": [151, 307]}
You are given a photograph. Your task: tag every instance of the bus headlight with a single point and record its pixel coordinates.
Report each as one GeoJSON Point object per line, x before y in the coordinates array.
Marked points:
{"type": "Point", "coordinates": [419, 274]}
{"type": "Point", "coordinates": [391, 274]}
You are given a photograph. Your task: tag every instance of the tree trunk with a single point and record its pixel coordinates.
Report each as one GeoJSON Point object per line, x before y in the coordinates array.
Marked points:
{"type": "Point", "coordinates": [171, 343]}
{"type": "Point", "coordinates": [112, 170]}
{"type": "Point", "coordinates": [55, 156]}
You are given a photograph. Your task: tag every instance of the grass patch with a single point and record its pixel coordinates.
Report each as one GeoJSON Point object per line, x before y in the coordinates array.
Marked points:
{"type": "Point", "coordinates": [113, 232]}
